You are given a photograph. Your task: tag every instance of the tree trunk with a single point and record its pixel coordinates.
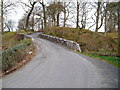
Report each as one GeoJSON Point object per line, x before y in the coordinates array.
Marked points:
{"type": "Point", "coordinates": [97, 17]}
{"type": "Point", "coordinates": [44, 13]}
{"type": "Point", "coordinates": [119, 33]}
{"type": "Point", "coordinates": [42, 24]}
{"type": "Point", "coordinates": [8, 28]}
{"type": "Point", "coordinates": [28, 16]}
{"type": "Point", "coordinates": [58, 19]}
{"type": "Point", "coordinates": [102, 17]}
{"type": "Point", "coordinates": [44, 16]}
{"type": "Point", "coordinates": [64, 23]}
{"type": "Point", "coordinates": [2, 25]}
{"type": "Point", "coordinates": [84, 16]}
{"type": "Point", "coordinates": [114, 24]}
{"type": "Point", "coordinates": [110, 24]}
{"type": "Point", "coordinates": [105, 22]}
{"type": "Point", "coordinates": [54, 20]}
{"type": "Point", "coordinates": [77, 22]}
{"type": "Point", "coordinates": [85, 20]}
{"type": "Point", "coordinates": [119, 17]}
{"type": "Point", "coordinates": [33, 22]}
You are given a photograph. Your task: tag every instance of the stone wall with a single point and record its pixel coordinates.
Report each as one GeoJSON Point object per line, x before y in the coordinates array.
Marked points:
{"type": "Point", "coordinates": [28, 36]}
{"type": "Point", "coordinates": [70, 44]}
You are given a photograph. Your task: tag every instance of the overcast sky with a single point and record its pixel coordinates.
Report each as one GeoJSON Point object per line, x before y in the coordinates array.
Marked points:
{"type": "Point", "coordinates": [17, 13]}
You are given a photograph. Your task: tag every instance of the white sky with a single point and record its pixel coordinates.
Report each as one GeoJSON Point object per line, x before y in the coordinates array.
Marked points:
{"type": "Point", "coordinates": [17, 13]}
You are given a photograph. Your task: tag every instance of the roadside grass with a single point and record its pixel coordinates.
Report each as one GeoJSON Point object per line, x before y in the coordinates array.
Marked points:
{"type": "Point", "coordinates": [24, 32]}
{"type": "Point", "coordinates": [15, 54]}
{"type": "Point", "coordinates": [113, 35]}
{"type": "Point", "coordinates": [110, 34]}
{"type": "Point", "coordinates": [12, 38]}
{"type": "Point", "coordinates": [9, 39]}
{"type": "Point", "coordinates": [115, 61]}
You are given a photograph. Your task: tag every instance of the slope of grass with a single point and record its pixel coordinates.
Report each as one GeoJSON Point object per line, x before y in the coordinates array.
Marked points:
{"type": "Point", "coordinates": [113, 35]}
{"type": "Point", "coordinates": [109, 59]}
{"type": "Point", "coordinates": [12, 38]}
{"type": "Point", "coordinates": [88, 40]}
{"type": "Point", "coordinates": [9, 39]}
{"type": "Point", "coordinates": [24, 32]}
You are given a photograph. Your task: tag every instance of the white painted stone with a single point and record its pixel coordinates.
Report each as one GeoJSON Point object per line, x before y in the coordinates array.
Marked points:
{"type": "Point", "coordinates": [30, 52]}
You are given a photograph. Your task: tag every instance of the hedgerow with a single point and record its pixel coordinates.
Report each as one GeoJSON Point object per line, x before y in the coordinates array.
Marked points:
{"type": "Point", "coordinates": [15, 54]}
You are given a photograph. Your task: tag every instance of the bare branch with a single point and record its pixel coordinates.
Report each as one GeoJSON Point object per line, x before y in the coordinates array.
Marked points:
{"type": "Point", "coordinates": [25, 4]}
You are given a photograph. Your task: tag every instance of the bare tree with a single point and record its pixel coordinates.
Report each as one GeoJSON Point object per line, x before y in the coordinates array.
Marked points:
{"type": "Point", "coordinates": [21, 23]}
{"type": "Point", "coordinates": [112, 22]}
{"type": "Point", "coordinates": [84, 14]}
{"type": "Point", "coordinates": [2, 27]}
{"type": "Point", "coordinates": [97, 16]}
{"type": "Point", "coordinates": [44, 13]}
{"type": "Point", "coordinates": [66, 12]}
{"type": "Point", "coordinates": [82, 10]}
{"type": "Point", "coordinates": [30, 12]}
{"type": "Point", "coordinates": [54, 10]}
{"type": "Point", "coordinates": [9, 25]}
{"type": "Point", "coordinates": [118, 11]}
{"type": "Point", "coordinates": [105, 21]}
{"type": "Point", "coordinates": [78, 7]}
{"type": "Point", "coordinates": [6, 7]}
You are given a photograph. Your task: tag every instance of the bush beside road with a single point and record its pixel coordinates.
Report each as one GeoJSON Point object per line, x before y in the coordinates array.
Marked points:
{"type": "Point", "coordinates": [15, 54]}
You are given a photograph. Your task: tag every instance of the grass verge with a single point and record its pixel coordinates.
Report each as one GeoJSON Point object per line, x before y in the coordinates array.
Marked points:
{"type": "Point", "coordinates": [115, 61]}
{"type": "Point", "coordinates": [10, 39]}
{"type": "Point", "coordinates": [15, 54]}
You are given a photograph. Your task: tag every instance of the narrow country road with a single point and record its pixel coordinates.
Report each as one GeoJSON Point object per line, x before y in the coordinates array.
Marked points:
{"type": "Point", "coordinates": [54, 66]}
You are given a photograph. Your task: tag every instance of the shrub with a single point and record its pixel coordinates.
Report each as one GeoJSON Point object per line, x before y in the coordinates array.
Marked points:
{"type": "Point", "coordinates": [15, 54]}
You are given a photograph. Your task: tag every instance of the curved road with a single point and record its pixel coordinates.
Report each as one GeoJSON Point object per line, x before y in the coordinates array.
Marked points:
{"type": "Point", "coordinates": [57, 67]}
